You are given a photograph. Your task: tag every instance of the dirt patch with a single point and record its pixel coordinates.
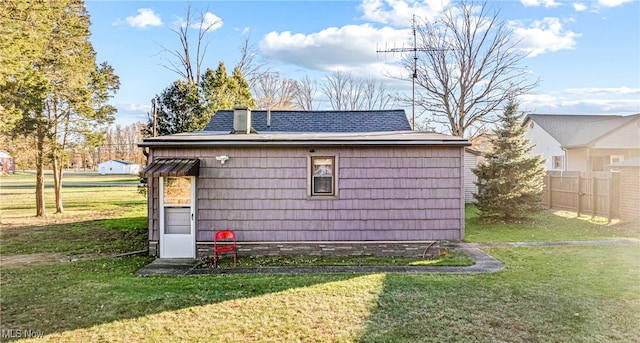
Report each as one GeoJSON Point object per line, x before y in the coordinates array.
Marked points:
{"type": "Point", "coordinates": [32, 259]}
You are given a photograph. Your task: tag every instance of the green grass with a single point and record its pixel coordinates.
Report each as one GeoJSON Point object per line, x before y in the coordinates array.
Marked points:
{"type": "Point", "coordinates": [559, 294]}
{"type": "Point", "coordinates": [544, 294]}
{"type": "Point", "coordinates": [97, 220]}
{"type": "Point", "coordinates": [68, 178]}
{"type": "Point", "coordinates": [545, 227]}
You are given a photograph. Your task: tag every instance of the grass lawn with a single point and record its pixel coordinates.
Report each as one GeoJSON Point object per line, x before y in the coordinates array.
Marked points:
{"type": "Point", "coordinates": [544, 294]}
{"type": "Point", "coordinates": [21, 178]}
{"type": "Point", "coordinates": [545, 227]}
{"type": "Point", "coordinates": [559, 294]}
{"type": "Point", "coordinates": [97, 220]}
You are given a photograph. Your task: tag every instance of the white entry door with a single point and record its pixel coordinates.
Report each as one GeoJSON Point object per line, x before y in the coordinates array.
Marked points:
{"type": "Point", "coordinates": [177, 217]}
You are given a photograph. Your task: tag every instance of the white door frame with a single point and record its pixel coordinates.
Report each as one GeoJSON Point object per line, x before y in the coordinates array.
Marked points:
{"type": "Point", "coordinates": [174, 245]}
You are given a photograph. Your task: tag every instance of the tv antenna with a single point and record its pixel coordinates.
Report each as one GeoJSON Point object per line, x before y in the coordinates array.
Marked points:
{"type": "Point", "coordinates": [415, 50]}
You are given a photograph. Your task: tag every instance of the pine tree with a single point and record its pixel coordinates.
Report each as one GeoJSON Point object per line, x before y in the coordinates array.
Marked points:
{"type": "Point", "coordinates": [186, 106]}
{"type": "Point", "coordinates": [510, 181]}
{"type": "Point", "coordinates": [52, 90]}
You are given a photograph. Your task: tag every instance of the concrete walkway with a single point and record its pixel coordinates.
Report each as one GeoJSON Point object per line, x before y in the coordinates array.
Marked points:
{"type": "Point", "coordinates": [169, 266]}
{"type": "Point", "coordinates": [484, 263]}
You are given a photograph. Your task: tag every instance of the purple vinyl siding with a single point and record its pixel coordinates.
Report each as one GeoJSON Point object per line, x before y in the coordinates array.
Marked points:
{"type": "Point", "coordinates": [382, 194]}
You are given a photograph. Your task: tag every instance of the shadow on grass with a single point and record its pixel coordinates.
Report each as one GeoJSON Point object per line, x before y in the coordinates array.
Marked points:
{"type": "Point", "coordinates": [90, 294]}
{"type": "Point", "coordinates": [557, 294]}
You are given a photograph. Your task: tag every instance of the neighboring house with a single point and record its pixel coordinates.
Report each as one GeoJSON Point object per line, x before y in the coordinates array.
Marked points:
{"type": "Point", "coordinates": [471, 160]}
{"type": "Point", "coordinates": [319, 182]}
{"type": "Point", "coordinates": [7, 165]}
{"type": "Point", "coordinates": [584, 143]}
{"type": "Point", "coordinates": [118, 167]}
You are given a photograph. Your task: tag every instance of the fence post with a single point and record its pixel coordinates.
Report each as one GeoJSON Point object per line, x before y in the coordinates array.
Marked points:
{"type": "Point", "coordinates": [610, 198]}
{"type": "Point", "coordinates": [594, 201]}
{"type": "Point", "coordinates": [579, 195]}
{"type": "Point", "coordinates": [549, 183]}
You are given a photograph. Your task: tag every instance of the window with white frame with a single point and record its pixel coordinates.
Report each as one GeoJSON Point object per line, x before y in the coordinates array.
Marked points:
{"type": "Point", "coordinates": [616, 159]}
{"type": "Point", "coordinates": [322, 176]}
{"type": "Point", "coordinates": [557, 162]}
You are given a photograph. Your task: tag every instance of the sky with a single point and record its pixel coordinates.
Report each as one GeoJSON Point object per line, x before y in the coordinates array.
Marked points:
{"type": "Point", "coordinates": [585, 54]}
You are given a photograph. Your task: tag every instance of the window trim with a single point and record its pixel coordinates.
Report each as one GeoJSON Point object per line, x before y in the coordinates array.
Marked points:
{"type": "Point", "coordinates": [310, 178]}
{"type": "Point", "coordinates": [553, 162]}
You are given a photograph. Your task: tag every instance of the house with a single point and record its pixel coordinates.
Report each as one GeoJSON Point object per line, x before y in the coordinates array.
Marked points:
{"type": "Point", "coordinates": [118, 167]}
{"type": "Point", "coordinates": [585, 143]}
{"type": "Point", "coordinates": [317, 182]}
{"type": "Point", "coordinates": [471, 160]}
{"type": "Point", "coordinates": [7, 165]}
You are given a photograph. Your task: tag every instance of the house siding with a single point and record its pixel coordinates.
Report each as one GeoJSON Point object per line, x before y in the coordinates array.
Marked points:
{"type": "Point", "coordinates": [625, 137]}
{"type": "Point", "coordinates": [470, 179]}
{"type": "Point", "coordinates": [545, 145]}
{"type": "Point", "coordinates": [383, 194]}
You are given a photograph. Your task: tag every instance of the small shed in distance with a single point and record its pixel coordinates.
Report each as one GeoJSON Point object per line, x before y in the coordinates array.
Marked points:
{"type": "Point", "coordinates": [7, 165]}
{"type": "Point", "coordinates": [118, 167]}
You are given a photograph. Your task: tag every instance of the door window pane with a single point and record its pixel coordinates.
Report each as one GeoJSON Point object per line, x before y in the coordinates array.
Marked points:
{"type": "Point", "coordinates": [177, 190]}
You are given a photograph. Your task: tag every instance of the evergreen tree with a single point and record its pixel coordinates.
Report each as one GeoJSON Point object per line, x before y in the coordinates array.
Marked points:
{"type": "Point", "coordinates": [510, 181]}
{"type": "Point", "coordinates": [180, 109]}
{"type": "Point", "coordinates": [51, 87]}
{"type": "Point", "coordinates": [186, 106]}
{"type": "Point", "coordinates": [223, 92]}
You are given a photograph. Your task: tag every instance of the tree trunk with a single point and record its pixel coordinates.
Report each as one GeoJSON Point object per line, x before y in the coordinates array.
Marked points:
{"type": "Point", "coordinates": [40, 205]}
{"type": "Point", "coordinates": [57, 182]}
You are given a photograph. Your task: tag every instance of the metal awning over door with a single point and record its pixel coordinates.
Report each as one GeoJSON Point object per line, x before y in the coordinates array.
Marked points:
{"type": "Point", "coordinates": [172, 167]}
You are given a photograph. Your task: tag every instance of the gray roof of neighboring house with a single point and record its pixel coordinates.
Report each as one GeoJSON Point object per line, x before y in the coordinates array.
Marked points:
{"type": "Point", "coordinates": [317, 121]}
{"type": "Point", "coordinates": [119, 161]}
{"type": "Point", "coordinates": [579, 130]}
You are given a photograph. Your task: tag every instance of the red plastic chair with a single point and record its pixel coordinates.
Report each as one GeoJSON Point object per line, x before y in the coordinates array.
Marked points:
{"type": "Point", "coordinates": [224, 248]}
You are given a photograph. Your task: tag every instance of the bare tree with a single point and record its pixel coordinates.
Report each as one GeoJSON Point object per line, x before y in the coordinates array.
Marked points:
{"type": "Point", "coordinates": [342, 90]}
{"type": "Point", "coordinates": [375, 95]}
{"type": "Point", "coordinates": [183, 63]}
{"type": "Point", "coordinates": [469, 66]}
{"type": "Point", "coordinates": [272, 92]}
{"type": "Point", "coordinates": [121, 143]}
{"type": "Point", "coordinates": [305, 93]}
{"type": "Point", "coordinates": [250, 68]}
{"type": "Point", "coordinates": [346, 92]}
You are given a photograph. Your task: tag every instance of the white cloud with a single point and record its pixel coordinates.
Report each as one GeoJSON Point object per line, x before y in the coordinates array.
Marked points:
{"type": "Point", "coordinates": [399, 12]}
{"type": "Point", "coordinates": [579, 7]}
{"type": "Point", "coordinates": [347, 47]}
{"type": "Point", "coordinates": [583, 101]}
{"type": "Point", "coordinates": [129, 113]}
{"type": "Point", "coordinates": [546, 35]}
{"type": "Point", "coordinates": [603, 91]}
{"type": "Point", "coordinates": [612, 3]}
{"type": "Point", "coordinates": [536, 3]}
{"type": "Point", "coordinates": [209, 20]}
{"type": "Point", "coordinates": [146, 17]}
{"type": "Point", "coordinates": [243, 30]}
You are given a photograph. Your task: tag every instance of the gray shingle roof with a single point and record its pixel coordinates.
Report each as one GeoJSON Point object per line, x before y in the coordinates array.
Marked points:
{"type": "Point", "coordinates": [579, 130]}
{"type": "Point", "coordinates": [317, 121]}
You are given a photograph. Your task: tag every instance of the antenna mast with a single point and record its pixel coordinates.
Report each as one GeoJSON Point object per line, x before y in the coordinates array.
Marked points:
{"type": "Point", "coordinates": [415, 50]}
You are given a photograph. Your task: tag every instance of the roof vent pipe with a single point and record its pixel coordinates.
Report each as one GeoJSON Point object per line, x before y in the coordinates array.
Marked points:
{"type": "Point", "coordinates": [241, 120]}
{"type": "Point", "coordinates": [269, 119]}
